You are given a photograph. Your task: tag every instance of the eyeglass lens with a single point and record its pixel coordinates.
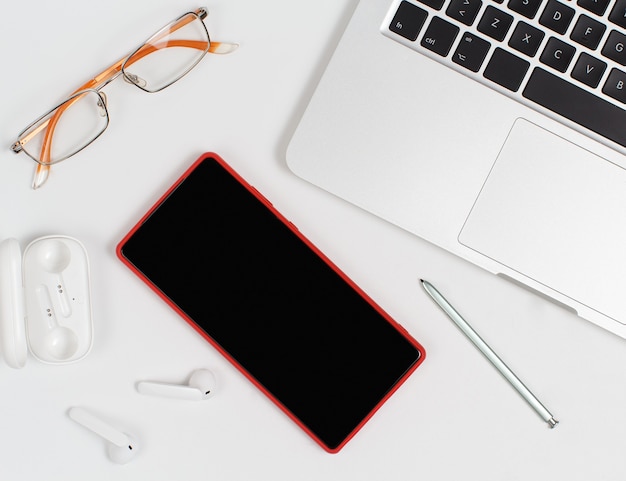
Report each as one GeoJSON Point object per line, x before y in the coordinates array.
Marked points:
{"type": "Point", "coordinates": [75, 123]}
{"type": "Point", "coordinates": [168, 55]}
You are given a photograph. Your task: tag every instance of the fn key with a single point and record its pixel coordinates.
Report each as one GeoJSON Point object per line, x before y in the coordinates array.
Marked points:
{"type": "Point", "coordinates": [408, 21]}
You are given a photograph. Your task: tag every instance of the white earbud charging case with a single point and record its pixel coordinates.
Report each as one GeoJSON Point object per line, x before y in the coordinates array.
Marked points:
{"type": "Point", "coordinates": [45, 301]}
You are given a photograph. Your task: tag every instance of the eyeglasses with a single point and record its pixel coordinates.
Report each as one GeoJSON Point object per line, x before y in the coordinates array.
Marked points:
{"type": "Point", "coordinates": [76, 122]}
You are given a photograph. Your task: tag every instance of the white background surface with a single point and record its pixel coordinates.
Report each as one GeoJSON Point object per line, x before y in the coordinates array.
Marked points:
{"type": "Point", "coordinates": [455, 418]}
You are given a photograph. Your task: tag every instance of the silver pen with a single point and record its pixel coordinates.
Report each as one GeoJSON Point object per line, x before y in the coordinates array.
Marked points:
{"type": "Point", "coordinates": [489, 354]}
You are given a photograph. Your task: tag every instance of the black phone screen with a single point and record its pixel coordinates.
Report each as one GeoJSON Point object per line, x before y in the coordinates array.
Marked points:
{"type": "Point", "coordinates": [274, 305]}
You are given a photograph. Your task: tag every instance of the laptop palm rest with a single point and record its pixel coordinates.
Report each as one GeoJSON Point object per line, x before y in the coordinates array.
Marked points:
{"type": "Point", "coordinates": [555, 213]}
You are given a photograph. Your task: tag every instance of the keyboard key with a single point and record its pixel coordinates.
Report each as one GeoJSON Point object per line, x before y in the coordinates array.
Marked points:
{"type": "Point", "coordinates": [588, 70]}
{"type": "Point", "coordinates": [495, 23]}
{"type": "Point", "coordinates": [615, 47]}
{"type": "Point", "coordinates": [439, 36]}
{"type": "Point", "coordinates": [526, 39]}
{"type": "Point", "coordinates": [588, 32]}
{"type": "Point", "coordinates": [556, 16]}
{"type": "Point", "coordinates": [471, 52]}
{"type": "Point", "coordinates": [557, 54]}
{"type": "Point", "coordinates": [618, 13]}
{"type": "Point", "coordinates": [615, 85]}
{"type": "Point", "coordinates": [464, 11]}
{"type": "Point", "coordinates": [594, 6]}
{"type": "Point", "coordinates": [528, 8]}
{"type": "Point", "coordinates": [506, 69]}
{"type": "Point", "coordinates": [577, 105]}
{"type": "Point", "coordinates": [436, 4]}
{"type": "Point", "coordinates": [408, 21]}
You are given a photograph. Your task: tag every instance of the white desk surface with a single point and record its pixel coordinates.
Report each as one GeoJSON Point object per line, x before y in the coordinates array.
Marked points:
{"type": "Point", "coordinates": [455, 418]}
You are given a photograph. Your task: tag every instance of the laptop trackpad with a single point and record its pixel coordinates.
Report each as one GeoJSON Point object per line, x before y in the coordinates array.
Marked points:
{"type": "Point", "coordinates": [557, 214]}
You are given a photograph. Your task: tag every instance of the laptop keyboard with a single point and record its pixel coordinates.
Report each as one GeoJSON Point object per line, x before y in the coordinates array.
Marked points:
{"type": "Point", "coordinates": [564, 56]}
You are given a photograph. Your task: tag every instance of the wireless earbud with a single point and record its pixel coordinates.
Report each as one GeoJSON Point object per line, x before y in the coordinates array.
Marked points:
{"type": "Point", "coordinates": [201, 385]}
{"type": "Point", "coordinates": [61, 342]}
{"type": "Point", "coordinates": [54, 256]}
{"type": "Point", "coordinates": [122, 447]}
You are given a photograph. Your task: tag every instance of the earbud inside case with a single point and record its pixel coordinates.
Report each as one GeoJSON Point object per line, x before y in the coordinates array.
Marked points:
{"type": "Point", "coordinates": [45, 301]}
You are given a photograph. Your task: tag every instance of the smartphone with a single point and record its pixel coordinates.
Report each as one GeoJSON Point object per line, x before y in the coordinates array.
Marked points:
{"type": "Point", "coordinates": [273, 304]}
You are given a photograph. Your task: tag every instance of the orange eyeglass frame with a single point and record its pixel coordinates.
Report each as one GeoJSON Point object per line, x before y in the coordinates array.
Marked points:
{"type": "Point", "coordinates": [111, 73]}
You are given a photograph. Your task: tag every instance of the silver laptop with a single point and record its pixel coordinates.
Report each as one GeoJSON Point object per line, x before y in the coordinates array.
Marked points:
{"type": "Point", "coordinates": [495, 130]}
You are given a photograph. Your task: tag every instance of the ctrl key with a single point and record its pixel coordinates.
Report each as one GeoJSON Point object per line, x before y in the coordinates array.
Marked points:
{"type": "Point", "coordinates": [471, 52]}
{"type": "Point", "coordinates": [439, 36]}
{"type": "Point", "coordinates": [408, 21]}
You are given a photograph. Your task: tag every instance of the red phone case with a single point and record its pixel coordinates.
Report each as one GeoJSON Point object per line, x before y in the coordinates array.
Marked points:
{"type": "Point", "coordinates": [235, 362]}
